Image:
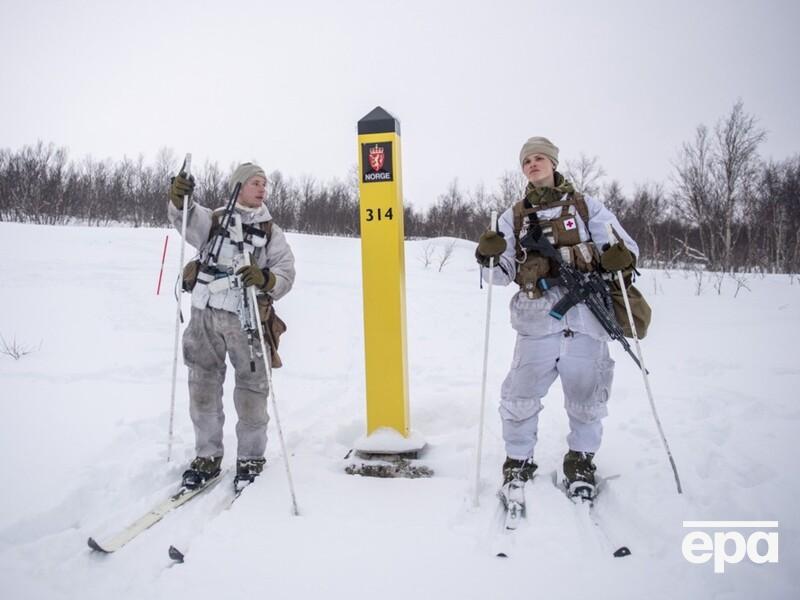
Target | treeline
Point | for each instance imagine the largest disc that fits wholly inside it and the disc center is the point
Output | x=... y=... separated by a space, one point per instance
x=724 y=208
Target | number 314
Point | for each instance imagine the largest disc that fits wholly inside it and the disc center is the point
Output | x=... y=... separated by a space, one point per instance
x=379 y=215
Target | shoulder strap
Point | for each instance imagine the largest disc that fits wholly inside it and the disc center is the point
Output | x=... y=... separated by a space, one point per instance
x=583 y=209
x=266 y=226
x=215 y=216
x=518 y=210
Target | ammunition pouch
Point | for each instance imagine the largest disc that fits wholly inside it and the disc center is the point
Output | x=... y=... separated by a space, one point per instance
x=193 y=273
x=189 y=277
x=274 y=328
x=534 y=267
x=584 y=256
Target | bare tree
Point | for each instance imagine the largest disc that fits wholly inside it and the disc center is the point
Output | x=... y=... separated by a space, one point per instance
x=615 y=200
x=447 y=254
x=694 y=188
x=511 y=190
x=15 y=349
x=211 y=188
x=741 y=281
x=736 y=167
x=282 y=200
x=585 y=174
x=426 y=256
x=446 y=217
x=698 y=272
x=645 y=212
x=715 y=178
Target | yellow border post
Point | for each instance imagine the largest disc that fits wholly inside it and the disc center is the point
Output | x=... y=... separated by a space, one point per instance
x=383 y=270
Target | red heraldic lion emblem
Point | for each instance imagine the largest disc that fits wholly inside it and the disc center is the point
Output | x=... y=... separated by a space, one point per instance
x=376 y=158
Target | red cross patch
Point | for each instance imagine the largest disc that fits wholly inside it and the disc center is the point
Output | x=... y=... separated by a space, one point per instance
x=570 y=224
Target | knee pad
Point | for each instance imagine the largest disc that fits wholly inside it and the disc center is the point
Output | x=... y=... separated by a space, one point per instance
x=587 y=400
x=520 y=410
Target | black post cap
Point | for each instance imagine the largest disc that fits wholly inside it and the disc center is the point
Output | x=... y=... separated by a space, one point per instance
x=378 y=121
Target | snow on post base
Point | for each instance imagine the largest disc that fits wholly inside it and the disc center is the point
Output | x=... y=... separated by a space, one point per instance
x=386 y=440
x=387 y=453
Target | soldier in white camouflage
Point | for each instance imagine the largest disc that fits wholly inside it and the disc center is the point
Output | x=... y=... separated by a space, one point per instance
x=573 y=348
x=215 y=329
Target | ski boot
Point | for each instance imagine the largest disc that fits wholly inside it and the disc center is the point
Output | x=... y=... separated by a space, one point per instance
x=200 y=471
x=247 y=469
x=579 y=480
x=518 y=470
x=512 y=494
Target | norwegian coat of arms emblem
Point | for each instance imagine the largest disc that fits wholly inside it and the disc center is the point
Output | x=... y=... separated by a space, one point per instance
x=376 y=158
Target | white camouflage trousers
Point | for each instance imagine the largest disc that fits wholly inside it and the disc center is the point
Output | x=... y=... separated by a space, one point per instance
x=586 y=372
x=212 y=333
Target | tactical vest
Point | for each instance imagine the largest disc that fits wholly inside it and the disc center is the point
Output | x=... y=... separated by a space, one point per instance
x=191 y=270
x=562 y=232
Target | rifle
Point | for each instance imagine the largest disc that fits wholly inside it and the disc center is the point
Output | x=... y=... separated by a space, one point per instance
x=589 y=288
x=230 y=226
x=222 y=232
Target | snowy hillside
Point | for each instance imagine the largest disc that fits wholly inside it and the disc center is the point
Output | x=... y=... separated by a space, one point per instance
x=84 y=421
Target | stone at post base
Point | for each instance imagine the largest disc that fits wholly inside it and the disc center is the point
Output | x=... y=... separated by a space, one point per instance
x=386 y=453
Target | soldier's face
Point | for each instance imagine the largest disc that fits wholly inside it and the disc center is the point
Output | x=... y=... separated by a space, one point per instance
x=537 y=168
x=253 y=192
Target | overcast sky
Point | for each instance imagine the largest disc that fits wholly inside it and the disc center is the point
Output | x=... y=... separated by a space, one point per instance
x=284 y=83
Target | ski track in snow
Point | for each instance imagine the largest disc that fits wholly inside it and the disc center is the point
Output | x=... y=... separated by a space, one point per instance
x=84 y=419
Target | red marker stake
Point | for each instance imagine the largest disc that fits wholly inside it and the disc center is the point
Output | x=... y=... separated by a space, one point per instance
x=161 y=272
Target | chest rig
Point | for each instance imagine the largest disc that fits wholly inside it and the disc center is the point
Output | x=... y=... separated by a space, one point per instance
x=219 y=274
x=563 y=233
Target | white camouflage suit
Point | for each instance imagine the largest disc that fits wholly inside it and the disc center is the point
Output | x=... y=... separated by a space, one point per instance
x=574 y=348
x=214 y=330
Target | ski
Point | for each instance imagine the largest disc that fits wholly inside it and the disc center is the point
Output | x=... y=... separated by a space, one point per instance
x=177 y=555
x=512 y=495
x=585 y=509
x=153 y=516
x=511 y=512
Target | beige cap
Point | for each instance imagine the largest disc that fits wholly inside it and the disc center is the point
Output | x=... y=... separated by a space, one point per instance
x=244 y=172
x=539 y=145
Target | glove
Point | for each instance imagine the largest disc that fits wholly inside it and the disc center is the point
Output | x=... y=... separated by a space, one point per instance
x=616 y=258
x=490 y=245
x=180 y=186
x=252 y=275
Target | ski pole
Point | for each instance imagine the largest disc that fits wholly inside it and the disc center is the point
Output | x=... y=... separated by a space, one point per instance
x=493 y=227
x=186 y=168
x=612 y=239
x=271 y=392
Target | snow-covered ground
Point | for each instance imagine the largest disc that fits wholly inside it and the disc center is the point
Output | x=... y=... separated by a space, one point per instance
x=84 y=421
